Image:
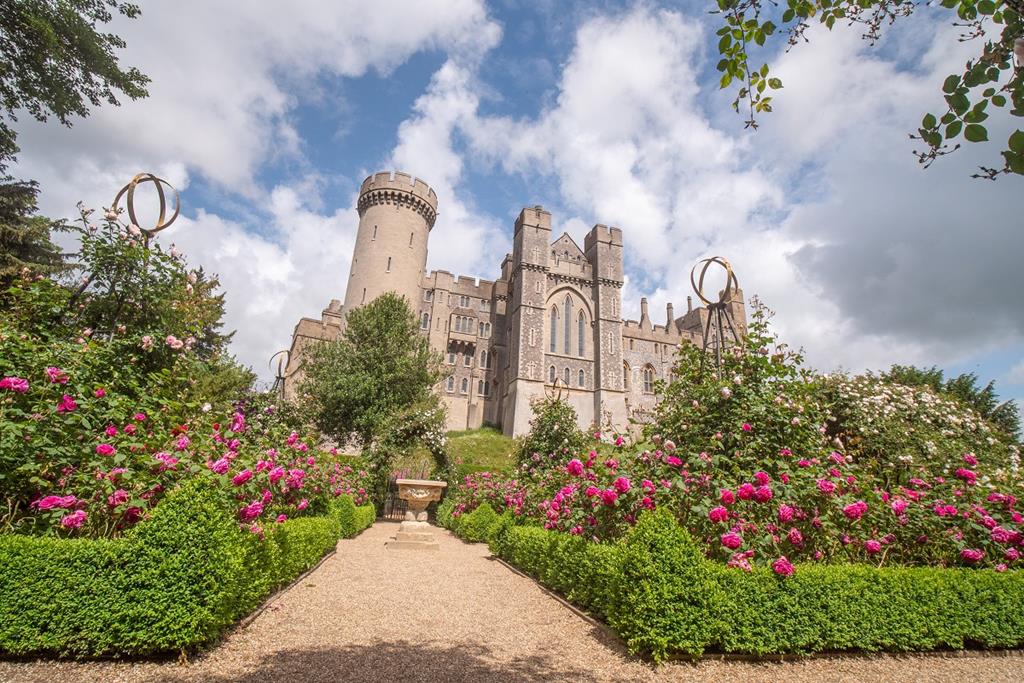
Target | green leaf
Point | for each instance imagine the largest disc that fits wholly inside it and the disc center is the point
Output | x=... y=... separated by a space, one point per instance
x=1017 y=142
x=998 y=100
x=950 y=85
x=986 y=7
x=775 y=83
x=976 y=133
x=929 y=121
x=953 y=129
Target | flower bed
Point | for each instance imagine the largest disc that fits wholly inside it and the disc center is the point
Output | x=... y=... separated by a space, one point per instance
x=657 y=591
x=172 y=582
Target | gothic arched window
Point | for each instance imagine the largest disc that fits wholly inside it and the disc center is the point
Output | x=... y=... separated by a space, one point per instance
x=648 y=379
x=626 y=375
x=579 y=335
x=551 y=375
x=565 y=377
x=425 y=321
x=465 y=386
x=554 y=328
x=450 y=384
x=567 y=311
x=582 y=378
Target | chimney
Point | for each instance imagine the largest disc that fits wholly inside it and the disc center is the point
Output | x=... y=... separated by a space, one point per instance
x=668 y=313
x=689 y=304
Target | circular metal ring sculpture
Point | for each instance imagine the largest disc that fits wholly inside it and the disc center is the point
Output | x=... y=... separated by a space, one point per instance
x=162 y=221
x=282 y=363
x=556 y=390
x=731 y=283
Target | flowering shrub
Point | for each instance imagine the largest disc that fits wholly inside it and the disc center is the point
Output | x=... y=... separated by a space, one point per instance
x=486 y=487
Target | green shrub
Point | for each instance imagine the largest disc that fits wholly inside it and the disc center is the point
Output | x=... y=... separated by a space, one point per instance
x=444 y=513
x=476 y=526
x=173 y=582
x=366 y=515
x=661 y=596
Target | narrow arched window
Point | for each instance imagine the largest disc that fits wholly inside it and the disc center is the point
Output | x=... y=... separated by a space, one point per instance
x=648 y=380
x=579 y=335
x=565 y=377
x=551 y=375
x=582 y=378
x=554 y=329
x=465 y=386
x=450 y=384
x=567 y=311
x=626 y=372
x=483 y=359
x=425 y=321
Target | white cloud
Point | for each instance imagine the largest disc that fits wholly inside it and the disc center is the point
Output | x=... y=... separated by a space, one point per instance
x=1016 y=374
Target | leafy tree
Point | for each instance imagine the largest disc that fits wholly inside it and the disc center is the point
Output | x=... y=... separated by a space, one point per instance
x=983 y=400
x=55 y=61
x=990 y=82
x=554 y=436
x=372 y=386
x=25 y=237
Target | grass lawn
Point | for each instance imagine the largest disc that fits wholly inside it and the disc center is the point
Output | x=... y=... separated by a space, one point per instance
x=475 y=450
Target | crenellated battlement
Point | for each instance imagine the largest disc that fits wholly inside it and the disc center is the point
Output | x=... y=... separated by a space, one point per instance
x=400 y=189
x=602 y=233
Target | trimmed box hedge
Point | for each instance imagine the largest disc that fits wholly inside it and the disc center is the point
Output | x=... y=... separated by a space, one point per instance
x=659 y=593
x=174 y=582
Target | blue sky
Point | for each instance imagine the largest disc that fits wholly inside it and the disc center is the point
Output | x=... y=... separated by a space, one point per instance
x=603 y=112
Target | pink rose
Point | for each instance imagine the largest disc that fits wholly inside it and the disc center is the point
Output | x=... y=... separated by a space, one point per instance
x=746 y=427
x=303 y=504
x=16 y=384
x=118 y=497
x=139 y=417
x=592 y=491
x=826 y=486
x=220 y=466
x=795 y=537
x=66 y=404
x=763 y=494
x=731 y=540
x=726 y=496
x=241 y=477
x=609 y=496
x=745 y=491
x=74 y=520
x=972 y=555
x=575 y=468
x=621 y=484
x=855 y=510
x=718 y=514
x=785 y=513
x=100 y=392
x=782 y=566
x=57 y=376
x=872 y=547
x=105 y=449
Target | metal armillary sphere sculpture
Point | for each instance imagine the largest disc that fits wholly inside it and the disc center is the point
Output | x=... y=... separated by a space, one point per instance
x=128 y=192
x=282 y=357
x=720 y=321
x=556 y=389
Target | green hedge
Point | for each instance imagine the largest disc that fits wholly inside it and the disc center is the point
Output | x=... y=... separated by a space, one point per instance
x=477 y=526
x=655 y=589
x=173 y=582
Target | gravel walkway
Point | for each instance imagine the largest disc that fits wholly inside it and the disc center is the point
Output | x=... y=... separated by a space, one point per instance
x=369 y=614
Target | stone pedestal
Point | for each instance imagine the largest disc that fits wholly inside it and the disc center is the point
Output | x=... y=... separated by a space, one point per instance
x=414 y=533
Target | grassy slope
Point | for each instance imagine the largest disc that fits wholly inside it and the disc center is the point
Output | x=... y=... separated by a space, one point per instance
x=481 y=449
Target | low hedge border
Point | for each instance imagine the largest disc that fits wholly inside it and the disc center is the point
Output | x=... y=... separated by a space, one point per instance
x=658 y=593
x=172 y=583
x=476 y=526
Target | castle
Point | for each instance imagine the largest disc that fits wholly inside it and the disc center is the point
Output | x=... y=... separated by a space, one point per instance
x=551 y=321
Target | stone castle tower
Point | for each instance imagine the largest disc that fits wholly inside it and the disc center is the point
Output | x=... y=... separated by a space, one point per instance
x=553 y=316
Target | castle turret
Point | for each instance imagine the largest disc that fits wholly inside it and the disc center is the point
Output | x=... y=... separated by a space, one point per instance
x=396 y=213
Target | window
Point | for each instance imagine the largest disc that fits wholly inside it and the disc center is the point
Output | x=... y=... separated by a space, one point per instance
x=428 y=295
x=467 y=360
x=484 y=359
x=450 y=385
x=626 y=376
x=582 y=380
x=364 y=296
x=425 y=321
x=485 y=305
x=483 y=387
x=648 y=380
x=375 y=232
x=551 y=375
x=451 y=358
x=410 y=239
x=630 y=344
x=567 y=311
x=487 y=388
x=464 y=301
x=579 y=335
x=554 y=330
x=464 y=387
x=565 y=376
x=389 y=264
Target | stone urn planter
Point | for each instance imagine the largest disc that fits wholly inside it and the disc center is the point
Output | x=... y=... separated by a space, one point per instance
x=415 y=533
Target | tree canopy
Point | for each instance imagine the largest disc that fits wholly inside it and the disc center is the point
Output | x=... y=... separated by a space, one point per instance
x=991 y=83
x=55 y=61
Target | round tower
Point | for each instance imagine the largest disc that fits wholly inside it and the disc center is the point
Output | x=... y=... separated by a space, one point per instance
x=396 y=213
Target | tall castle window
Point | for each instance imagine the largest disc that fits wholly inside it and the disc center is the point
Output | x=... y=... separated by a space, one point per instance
x=567 y=311
x=389 y=264
x=467 y=360
x=464 y=387
x=428 y=295
x=648 y=379
x=451 y=358
x=464 y=301
x=484 y=359
x=626 y=376
x=425 y=321
x=551 y=375
x=450 y=385
x=374 y=232
x=582 y=379
x=410 y=239
x=554 y=330
x=565 y=376
x=579 y=335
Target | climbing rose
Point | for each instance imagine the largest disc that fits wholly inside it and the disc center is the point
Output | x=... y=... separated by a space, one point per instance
x=726 y=496
x=763 y=494
x=826 y=486
x=118 y=497
x=49 y=502
x=972 y=554
x=855 y=510
x=241 y=477
x=718 y=514
x=621 y=484
x=745 y=491
x=221 y=466
x=66 y=405
x=782 y=566
x=100 y=392
x=746 y=427
x=592 y=491
x=762 y=478
x=795 y=537
x=303 y=504
x=251 y=511
x=899 y=506
x=17 y=384
x=280 y=518
x=105 y=449
x=967 y=475
x=731 y=540
x=872 y=547
x=785 y=513
x=575 y=468
x=74 y=520
x=57 y=376
x=609 y=496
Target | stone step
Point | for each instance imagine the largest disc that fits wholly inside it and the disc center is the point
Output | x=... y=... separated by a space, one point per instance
x=413 y=545
x=414 y=536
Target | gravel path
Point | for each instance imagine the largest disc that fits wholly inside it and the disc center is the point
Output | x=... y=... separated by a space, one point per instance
x=369 y=614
